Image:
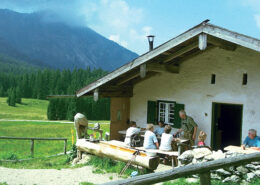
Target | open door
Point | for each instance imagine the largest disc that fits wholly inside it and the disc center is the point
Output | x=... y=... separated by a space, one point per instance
x=226 y=125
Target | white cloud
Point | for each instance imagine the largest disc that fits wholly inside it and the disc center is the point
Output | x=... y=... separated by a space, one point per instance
x=116 y=38
x=141 y=35
x=117 y=20
x=257 y=19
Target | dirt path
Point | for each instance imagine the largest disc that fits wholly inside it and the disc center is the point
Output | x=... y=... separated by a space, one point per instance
x=52 y=176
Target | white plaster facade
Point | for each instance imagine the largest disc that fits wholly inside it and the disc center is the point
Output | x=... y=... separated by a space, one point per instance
x=191 y=86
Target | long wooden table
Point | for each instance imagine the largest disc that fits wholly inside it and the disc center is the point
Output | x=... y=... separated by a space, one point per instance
x=238 y=149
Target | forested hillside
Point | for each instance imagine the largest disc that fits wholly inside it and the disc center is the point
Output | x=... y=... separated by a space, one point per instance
x=38 y=84
x=10 y=65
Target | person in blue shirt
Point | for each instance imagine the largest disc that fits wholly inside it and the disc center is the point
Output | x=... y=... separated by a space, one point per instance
x=160 y=129
x=252 y=140
x=150 y=140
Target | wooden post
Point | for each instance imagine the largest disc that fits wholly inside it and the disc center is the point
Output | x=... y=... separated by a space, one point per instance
x=202 y=41
x=32 y=148
x=179 y=149
x=205 y=178
x=96 y=95
x=143 y=70
x=65 y=146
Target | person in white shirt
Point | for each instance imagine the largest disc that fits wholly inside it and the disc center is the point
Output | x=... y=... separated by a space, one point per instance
x=166 y=139
x=160 y=129
x=132 y=130
x=150 y=140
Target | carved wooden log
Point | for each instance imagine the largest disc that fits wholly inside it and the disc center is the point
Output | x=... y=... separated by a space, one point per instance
x=106 y=149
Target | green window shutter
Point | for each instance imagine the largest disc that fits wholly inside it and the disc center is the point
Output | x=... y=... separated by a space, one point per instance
x=177 y=119
x=152 y=112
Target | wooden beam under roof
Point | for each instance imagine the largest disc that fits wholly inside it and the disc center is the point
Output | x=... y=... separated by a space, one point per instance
x=181 y=52
x=222 y=43
x=60 y=96
x=192 y=54
x=156 y=67
x=128 y=78
x=111 y=88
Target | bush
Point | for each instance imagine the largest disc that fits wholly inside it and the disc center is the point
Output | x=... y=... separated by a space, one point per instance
x=11 y=156
x=73 y=154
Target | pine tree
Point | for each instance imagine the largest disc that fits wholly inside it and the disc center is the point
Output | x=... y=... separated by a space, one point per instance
x=1 y=91
x=51 y=112
x=11 y=97
x=72 y=109
x=18 y=95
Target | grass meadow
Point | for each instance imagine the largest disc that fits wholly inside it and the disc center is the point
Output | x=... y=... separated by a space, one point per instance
x=21 y=148
x=30 y=109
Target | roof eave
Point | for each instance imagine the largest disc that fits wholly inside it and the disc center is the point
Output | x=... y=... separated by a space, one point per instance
x=142 y=59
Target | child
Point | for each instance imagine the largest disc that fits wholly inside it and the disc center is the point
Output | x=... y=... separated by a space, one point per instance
x=166 y=139
x=201 y=138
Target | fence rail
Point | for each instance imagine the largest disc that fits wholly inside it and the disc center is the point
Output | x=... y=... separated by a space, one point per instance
x=37 y=138
x=203 y=169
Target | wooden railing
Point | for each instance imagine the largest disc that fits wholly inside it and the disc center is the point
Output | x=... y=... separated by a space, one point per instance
x=37 y=138
x=203 y=169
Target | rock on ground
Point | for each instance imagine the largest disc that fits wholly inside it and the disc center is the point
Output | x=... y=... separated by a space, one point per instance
x=223 y=172
x=186 y=157
x=250 y=176
x=232 y=178
x=242 y=170
x=199 y=153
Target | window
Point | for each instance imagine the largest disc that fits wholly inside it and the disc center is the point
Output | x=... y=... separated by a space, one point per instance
x=213 y=79
x=244 y=79
x=166 y=112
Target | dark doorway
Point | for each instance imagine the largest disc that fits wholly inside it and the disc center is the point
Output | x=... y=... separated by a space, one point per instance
x=226 y=125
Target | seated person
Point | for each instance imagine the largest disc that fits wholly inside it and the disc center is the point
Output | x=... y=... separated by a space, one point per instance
x=160 y=129
x=201 y=138
x=166 y=139
x=132 y=130
x=150 y=140
x=252 y=140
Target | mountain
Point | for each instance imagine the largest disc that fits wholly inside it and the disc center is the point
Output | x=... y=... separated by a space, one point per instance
x=29 y=37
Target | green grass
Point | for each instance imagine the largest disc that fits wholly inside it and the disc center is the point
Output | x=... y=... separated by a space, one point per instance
x=84 y=183
x=20 y=149
x=57 y=162
x=30 y=109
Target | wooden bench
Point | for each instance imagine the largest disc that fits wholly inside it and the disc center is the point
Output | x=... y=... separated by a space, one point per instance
x=171 y=154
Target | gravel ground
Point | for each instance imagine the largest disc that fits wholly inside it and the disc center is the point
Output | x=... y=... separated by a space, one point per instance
x=52 y=176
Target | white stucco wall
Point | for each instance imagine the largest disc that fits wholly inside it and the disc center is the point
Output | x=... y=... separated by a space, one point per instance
x=192 y=87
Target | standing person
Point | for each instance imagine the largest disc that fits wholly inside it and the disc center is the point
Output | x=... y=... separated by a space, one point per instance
x=252 y=140
x=132 y=130
x=160 y=129
x=150 y=140
x=188 y=126
x=166 y=139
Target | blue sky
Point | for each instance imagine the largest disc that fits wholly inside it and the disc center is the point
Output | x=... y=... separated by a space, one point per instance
x=127 y=22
